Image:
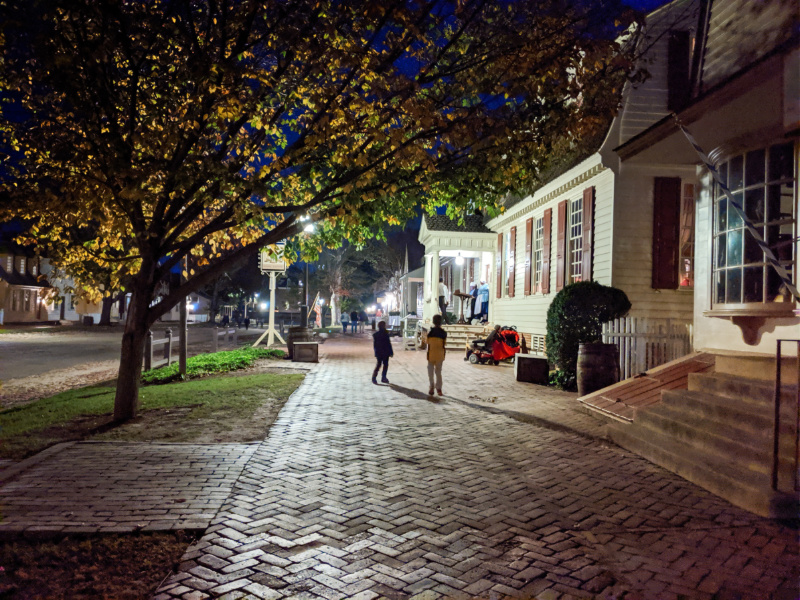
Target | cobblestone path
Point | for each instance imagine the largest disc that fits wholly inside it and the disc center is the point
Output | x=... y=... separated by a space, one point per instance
x=367 y=492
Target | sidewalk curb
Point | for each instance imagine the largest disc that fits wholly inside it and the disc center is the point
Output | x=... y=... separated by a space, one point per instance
x=15 y=470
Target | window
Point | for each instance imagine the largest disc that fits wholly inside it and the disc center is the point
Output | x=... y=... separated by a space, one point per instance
x=686 y=243
x=762 y=182
x=507 y=262
x=575 y=240
x=538 y=254
x=27 y=301
x=9 y=264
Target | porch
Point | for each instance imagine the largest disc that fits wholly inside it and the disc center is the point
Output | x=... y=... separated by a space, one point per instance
x=459 y=254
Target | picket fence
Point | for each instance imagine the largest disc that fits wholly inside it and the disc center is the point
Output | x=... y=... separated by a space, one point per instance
x=646 y=343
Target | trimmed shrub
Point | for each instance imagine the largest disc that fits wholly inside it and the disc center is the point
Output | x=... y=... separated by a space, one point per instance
x=575 y=317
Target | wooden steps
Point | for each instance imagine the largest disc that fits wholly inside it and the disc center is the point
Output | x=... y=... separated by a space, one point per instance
x=620 y=401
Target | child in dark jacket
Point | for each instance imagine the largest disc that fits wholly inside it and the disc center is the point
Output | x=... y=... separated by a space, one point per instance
x=383 y=350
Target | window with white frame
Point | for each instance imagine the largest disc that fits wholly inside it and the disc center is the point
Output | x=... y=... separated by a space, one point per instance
x=507 y=264
x=575 y=251
x=686 y=240
x=763 y=182
x=9 y=264
x=538 y=254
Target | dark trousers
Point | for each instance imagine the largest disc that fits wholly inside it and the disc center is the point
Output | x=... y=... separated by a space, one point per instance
x=443 y=308
x=385 y=363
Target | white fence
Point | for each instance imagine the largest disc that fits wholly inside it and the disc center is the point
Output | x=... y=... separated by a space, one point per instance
x=647 y=343
x=153 y=359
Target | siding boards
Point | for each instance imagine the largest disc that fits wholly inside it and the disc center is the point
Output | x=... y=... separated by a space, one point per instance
x=633 y=246
x=742 y=31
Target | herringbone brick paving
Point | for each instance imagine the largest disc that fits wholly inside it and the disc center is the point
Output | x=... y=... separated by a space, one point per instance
x=366 y=492
x=115 y=487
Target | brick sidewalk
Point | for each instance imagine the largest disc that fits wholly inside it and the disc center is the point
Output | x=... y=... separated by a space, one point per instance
x=365 y=492
x=89 y=487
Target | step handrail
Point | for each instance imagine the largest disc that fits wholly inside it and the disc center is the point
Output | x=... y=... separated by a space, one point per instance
x=777 y=421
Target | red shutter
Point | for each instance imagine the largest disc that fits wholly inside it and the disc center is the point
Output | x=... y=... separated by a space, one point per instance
x=666 y=232
x=545 y=283
x=528 y=248
x=512 y=262
x=561 y=246
x=499 y=275
x=588 y=236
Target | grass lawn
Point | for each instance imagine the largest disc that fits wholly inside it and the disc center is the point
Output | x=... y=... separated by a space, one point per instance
x=237 y=407
x=209 y=409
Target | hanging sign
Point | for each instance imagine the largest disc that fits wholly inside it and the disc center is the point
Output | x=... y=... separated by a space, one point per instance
x=271 y=259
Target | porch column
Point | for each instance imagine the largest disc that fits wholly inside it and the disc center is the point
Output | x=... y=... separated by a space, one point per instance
x=431 y=285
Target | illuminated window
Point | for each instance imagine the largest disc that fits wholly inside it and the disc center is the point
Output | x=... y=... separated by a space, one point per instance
x=686 y=243
x=575 y=240
x=538 y=254
x=763 y=183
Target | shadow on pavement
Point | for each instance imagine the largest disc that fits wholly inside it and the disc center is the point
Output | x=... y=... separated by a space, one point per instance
x=416 y=394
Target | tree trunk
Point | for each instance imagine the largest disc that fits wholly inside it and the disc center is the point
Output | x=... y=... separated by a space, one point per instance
x=126 y=400
x=213 y=306
x=105 y=311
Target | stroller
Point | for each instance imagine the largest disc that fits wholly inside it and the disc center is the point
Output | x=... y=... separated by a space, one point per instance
x=506 y=345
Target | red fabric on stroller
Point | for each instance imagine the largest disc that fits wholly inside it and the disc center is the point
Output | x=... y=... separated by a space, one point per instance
x=506 y=345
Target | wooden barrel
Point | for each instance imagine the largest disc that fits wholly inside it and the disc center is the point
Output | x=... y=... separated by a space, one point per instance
x=297 y=334
x=598 y=367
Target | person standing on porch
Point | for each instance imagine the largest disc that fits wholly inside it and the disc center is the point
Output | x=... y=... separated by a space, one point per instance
x=473 y=302
x=483 y=298
x=443 y=293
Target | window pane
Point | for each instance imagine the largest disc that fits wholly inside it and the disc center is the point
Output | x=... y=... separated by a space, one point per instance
x=781 y=162
x=775 y=289
x=734 y=220
x=754 y=167
x=723 y=172
x=780 y=202
x=722 y=244
x=735 y=173
x=752 y=251
x=719 y=288
x=735 y=247
x=754 y=284
x=754 y=205
x=734 y=286
x=722 y=215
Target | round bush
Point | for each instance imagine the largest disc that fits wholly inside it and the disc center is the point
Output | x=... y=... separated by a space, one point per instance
x=575 y=317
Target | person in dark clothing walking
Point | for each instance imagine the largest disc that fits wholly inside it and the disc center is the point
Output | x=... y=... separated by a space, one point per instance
x=354 y=320
x=383 y=351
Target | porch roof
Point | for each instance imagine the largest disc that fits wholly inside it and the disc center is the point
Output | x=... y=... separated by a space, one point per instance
x=440 y=233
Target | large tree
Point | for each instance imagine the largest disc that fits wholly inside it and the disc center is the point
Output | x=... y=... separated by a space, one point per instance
x=143 y=133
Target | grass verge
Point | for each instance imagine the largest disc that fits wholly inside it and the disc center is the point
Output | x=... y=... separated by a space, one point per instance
x=207 y=410
x=215 y=362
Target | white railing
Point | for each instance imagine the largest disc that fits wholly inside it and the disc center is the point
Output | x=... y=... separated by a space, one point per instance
x=646 y=343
